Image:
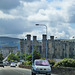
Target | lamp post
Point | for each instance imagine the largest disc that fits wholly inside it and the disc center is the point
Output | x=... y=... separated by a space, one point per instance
x=25 y=55
x=32 y=52
x=46 y=35
x=25 y=50
x=73 y=37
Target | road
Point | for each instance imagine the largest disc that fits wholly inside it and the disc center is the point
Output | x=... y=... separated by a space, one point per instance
x=16 y=71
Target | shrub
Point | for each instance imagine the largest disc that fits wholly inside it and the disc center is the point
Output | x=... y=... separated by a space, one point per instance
x=65 y=63
x=43 y=58
x=28 y=62
x=52 y=62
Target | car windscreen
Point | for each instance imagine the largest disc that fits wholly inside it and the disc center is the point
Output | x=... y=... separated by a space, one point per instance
x=42 y=63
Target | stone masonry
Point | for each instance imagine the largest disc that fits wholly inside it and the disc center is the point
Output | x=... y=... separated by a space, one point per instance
x=56 y=48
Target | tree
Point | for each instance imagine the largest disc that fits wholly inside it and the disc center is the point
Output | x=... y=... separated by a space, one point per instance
x=1 y=57
x=36 y=55
x=12 y=57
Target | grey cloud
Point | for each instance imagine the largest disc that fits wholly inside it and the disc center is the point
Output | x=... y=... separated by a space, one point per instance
x=72 y=19
x=71 y=12
x=30 y=0
x=16 y=26
x=8 y=4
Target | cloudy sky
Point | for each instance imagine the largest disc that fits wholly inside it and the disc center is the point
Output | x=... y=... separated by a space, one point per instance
x=18 y=18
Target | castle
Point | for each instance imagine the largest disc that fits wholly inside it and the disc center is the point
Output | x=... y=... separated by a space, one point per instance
x=56 y=48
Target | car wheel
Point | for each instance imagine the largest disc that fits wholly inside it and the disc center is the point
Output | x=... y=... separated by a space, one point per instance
x=32 y=73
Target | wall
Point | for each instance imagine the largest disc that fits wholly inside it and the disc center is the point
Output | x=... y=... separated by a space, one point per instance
x=63 y=71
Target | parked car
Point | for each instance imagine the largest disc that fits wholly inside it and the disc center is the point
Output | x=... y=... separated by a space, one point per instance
x=13 y=64
x=41 y=67
x=22 y=61
x=16 y=62
x=5 y=64
x=1 y=64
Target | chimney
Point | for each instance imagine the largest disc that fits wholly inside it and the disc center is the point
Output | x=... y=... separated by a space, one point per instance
x=34 y=38
x=44 y=36
x=52 y=37
x=28 y=37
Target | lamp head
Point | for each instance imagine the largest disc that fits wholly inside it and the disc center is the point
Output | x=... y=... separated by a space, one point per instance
x=37 y=24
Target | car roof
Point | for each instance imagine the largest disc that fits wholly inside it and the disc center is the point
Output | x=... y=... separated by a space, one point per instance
x=40 y=60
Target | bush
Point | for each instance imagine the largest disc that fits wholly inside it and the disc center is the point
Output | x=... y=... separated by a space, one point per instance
x=65 y=63
x=43 y=58
x=28 y=62
x=52 y=62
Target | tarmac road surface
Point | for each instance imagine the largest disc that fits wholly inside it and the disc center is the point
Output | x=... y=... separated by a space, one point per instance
x=16 y=71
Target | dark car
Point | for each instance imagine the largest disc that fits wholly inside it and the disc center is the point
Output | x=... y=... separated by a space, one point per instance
x=1 y=64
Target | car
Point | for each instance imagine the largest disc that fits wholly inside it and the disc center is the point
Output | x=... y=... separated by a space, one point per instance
x=5 y=64
x=41 y=67
x=1 y=64
x=16 y=62
x=13 y=64
x=22 y=61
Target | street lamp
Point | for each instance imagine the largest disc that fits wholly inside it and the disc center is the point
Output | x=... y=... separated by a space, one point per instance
x=32 y=52
x=46 y=35
x=73 y=37
x=25 y=50
x=42 y=25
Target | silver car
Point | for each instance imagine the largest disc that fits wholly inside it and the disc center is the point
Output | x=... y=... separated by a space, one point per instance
x=13 y=64
x=41 y=67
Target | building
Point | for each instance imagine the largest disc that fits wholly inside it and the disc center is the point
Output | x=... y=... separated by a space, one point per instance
x=56 y=48
x=61 y=48
x=28 y=44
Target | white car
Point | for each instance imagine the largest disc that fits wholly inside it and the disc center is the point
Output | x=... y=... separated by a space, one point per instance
x=13 y=64
x=41 y=67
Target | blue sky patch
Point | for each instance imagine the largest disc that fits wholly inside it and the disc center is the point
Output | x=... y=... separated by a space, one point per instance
x=49 y=0
x=72 y=25
x=58 y=8
x=52 y=0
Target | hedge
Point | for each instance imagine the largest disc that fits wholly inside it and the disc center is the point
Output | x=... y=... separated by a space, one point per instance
x=67 y=62
x=52 y=62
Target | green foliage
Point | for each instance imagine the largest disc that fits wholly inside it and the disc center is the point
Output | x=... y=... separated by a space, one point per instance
x=29 y=58
x=52 y=62
x=1 y=57
x=36 y=55
x=43 y=58
x=65 y=63
x=22 y=55
x=28 y=62
x=18 y=55
x=12 y=57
